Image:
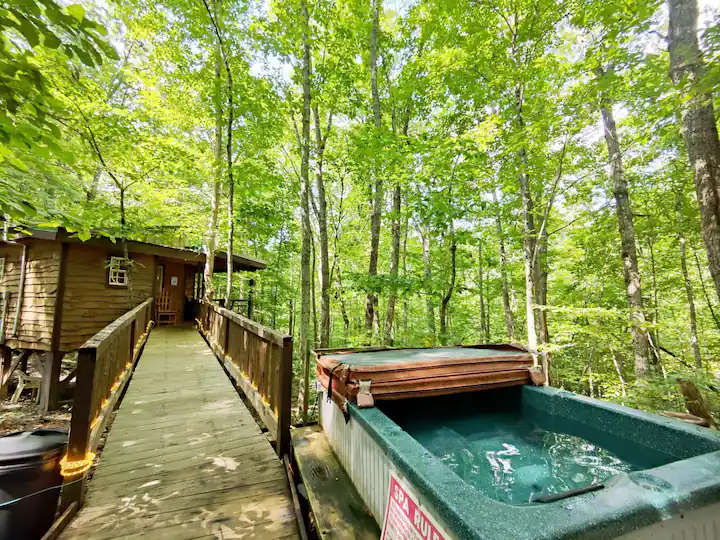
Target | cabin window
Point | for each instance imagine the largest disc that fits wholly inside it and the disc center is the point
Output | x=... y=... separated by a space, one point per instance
x=118 y=272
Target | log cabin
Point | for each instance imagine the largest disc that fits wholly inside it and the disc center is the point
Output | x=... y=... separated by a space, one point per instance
x=57 y=291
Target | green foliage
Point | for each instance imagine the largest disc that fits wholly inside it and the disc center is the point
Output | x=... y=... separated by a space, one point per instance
x=122 y=143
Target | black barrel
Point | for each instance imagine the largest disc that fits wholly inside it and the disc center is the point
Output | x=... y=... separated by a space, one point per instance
x=29 y=482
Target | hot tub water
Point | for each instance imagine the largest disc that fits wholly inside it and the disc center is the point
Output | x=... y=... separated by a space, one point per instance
x=511 y=459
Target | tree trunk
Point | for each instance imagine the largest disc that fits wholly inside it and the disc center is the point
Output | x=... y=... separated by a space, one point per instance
x=507 y=306
x=341 y=301
x=428 y=287
x=305 y=269
x=529 y=249
x=375 y=219
x=215 y=200
x=313 y=295
x=484 y=334
x=222 y=56
x=627 y=242
x=394 y=264
x=231 y=233
x=655 y=341
x=320 y=141
x=529 y=234
x=404 y=265
x=231 y=189
x=694 y=342
x=122 y=210
x=451 y=286
x=617 y=362
x=395 y=258
x=698 y=123
x=92 y=192
x=541 y=272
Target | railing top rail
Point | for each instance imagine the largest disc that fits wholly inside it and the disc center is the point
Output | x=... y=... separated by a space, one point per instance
x=119 y=323
x=263 y=332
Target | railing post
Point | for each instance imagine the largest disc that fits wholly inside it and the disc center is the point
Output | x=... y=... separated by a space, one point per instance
x=80 y=427
x=285 y=397
x=226 y=340
x=131 y=347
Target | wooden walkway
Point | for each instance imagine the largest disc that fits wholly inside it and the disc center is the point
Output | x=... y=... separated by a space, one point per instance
x=184 y=458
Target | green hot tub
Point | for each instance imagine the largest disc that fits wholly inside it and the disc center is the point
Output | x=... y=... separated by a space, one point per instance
x=535 y=462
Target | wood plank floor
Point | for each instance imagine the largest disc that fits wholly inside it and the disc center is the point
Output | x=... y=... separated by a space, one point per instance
x=184 y=458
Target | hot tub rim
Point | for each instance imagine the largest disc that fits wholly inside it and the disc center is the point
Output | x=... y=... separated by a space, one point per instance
x=470 y=514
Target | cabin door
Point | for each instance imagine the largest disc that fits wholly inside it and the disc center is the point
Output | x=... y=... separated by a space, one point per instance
x=160 y=279
x=171 y=277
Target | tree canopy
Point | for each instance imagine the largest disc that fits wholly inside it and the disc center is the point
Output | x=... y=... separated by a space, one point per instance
x=415 y=173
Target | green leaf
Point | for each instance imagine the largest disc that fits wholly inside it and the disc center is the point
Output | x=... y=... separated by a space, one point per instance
x=84 y=57
x=29 y=32
x=77 y=11
x=51 y=41
x=18 y=163
x=84 y=235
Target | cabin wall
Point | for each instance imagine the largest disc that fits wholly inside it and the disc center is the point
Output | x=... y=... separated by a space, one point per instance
x=89 y=303
x=35 y=325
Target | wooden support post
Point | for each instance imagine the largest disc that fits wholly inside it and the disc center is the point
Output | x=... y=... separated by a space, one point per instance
x=131 y=343
x=52 y=362
x=250 y=299
x=80 y=427
x=226 y=339
x=24 y=360
x=6 y=362
x=285 y=398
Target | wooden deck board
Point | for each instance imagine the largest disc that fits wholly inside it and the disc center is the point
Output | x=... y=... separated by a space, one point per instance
x=184 y=458
x=339 y=511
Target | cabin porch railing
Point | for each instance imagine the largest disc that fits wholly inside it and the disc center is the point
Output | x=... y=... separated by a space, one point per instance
x=105 y=364
x=259 y=359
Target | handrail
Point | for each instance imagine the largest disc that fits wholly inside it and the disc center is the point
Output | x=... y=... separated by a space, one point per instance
x=259 y=359
x=105 y=364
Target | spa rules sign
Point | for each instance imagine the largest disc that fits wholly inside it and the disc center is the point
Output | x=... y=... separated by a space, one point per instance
x=404 y=519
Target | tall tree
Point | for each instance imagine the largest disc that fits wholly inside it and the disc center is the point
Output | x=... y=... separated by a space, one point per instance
x=212 y=228
x=451 y=285
x=394 y=265
x=631 y=273
x=305 y=253
x=320 y=144
x=699 y=128
x=376 y=217
x=395 y=256
x=215 y=16
x=507 y=307
x=484 y=329
x=694 y=342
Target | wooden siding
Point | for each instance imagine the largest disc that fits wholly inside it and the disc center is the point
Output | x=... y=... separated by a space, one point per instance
x=90 y=303
x=38 y=305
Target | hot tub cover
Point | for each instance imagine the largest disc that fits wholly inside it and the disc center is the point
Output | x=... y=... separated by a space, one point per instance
x=363 y=375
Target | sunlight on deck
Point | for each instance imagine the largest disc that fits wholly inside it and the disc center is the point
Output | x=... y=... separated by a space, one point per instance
x=184 y=458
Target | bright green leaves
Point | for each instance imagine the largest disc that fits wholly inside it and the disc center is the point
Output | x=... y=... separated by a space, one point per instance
x=31 y=125
x=77 y=11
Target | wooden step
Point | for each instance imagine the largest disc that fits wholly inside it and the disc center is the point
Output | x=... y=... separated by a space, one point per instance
x=339 y=511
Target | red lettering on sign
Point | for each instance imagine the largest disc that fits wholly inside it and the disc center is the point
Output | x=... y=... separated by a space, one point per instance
x=404 y=519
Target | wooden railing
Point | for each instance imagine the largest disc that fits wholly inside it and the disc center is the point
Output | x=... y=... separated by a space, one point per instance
x=259 y=359
x=105 y=364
